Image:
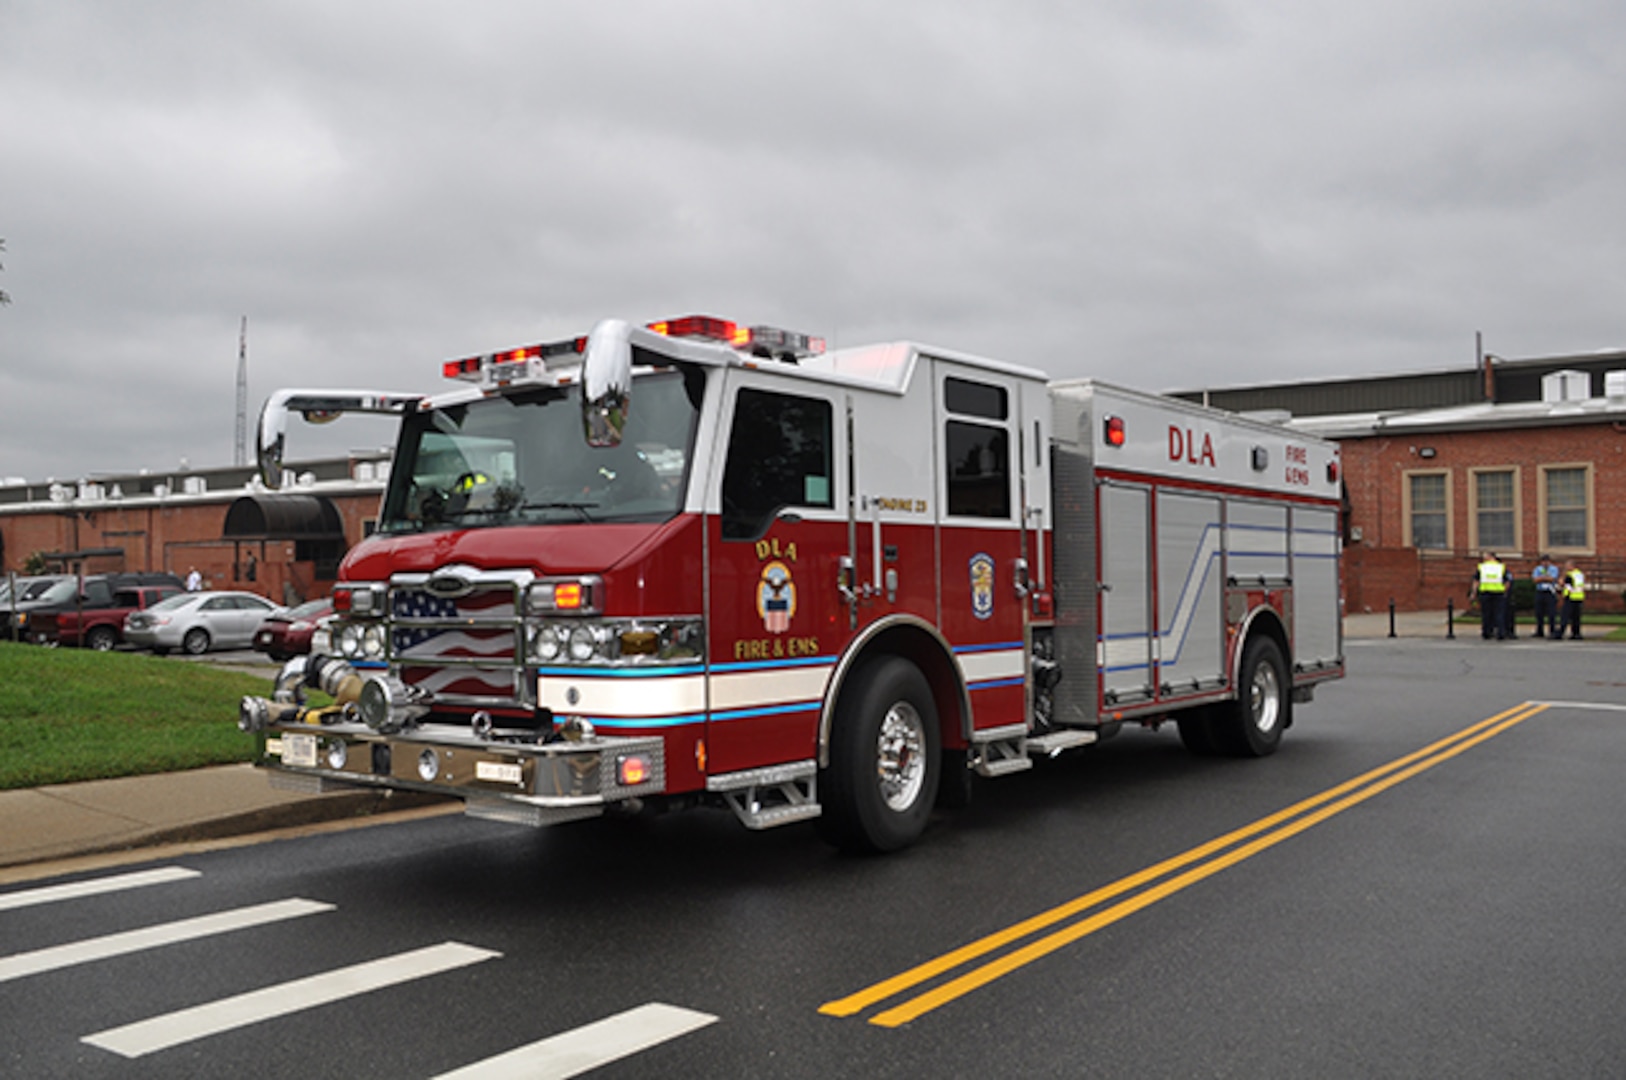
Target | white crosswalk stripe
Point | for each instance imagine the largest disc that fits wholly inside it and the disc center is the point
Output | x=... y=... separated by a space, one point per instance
x=574 y=1052
x=150 y=937
x=172 y=1029
x=50 y=894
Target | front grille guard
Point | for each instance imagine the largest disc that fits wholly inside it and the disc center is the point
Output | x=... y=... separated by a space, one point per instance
x=438 y=604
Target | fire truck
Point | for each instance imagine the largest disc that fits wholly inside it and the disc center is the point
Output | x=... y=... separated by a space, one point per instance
x=696 y=563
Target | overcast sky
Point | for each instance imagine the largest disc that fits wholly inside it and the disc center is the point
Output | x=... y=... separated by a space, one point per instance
x=1163 y=193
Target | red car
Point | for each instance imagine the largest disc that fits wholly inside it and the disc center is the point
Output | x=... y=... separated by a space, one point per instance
x=288 y=633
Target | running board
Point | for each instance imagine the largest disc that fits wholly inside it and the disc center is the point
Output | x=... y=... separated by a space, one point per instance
x=1054 y=742
x=1000 y=751
x=776 y=795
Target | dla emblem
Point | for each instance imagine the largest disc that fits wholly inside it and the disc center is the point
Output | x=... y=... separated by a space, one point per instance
x=982 y=585
x=776 y=598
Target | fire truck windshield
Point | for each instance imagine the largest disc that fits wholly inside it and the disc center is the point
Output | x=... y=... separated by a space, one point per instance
x=520 y=458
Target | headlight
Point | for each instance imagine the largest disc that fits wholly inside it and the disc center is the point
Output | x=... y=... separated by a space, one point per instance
x=372 y=642
x=349 y=641
x=619 y=643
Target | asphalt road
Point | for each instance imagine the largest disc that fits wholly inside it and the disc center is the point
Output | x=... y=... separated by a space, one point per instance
x=1428 y=879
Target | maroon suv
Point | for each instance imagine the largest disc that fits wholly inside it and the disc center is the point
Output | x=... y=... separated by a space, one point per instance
x=288 y=633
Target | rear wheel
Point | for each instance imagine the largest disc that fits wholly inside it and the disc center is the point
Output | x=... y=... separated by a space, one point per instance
x=101 y=638
x=196 y=641
x=1254 y=724
x=884 y=760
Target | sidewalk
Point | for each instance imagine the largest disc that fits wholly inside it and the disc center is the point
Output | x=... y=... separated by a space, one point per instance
x=98 y=816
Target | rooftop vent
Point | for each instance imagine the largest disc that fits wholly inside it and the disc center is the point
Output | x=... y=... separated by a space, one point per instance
x=1614 y=385
x=1566 y=386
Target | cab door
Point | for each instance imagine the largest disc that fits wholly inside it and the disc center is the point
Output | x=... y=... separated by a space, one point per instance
x=775 y=615
x=984 y=502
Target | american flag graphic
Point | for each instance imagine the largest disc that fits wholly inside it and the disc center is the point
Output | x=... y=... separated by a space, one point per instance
x=465 y=634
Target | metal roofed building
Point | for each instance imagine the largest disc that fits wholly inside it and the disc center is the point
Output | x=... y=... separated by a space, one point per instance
x=285 y=545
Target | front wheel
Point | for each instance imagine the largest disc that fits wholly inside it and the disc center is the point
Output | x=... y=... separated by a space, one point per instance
x=196 y=641
x=884 y=760
x=101 y=638
x=1254 y=725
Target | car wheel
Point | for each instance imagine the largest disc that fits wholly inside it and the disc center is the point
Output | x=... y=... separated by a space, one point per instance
x=196 y=641
x=1254 y=725
x=884 y=760
x=101 y=638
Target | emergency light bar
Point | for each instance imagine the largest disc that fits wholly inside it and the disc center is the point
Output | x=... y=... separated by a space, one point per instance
x=764 y=341
x=768 y=342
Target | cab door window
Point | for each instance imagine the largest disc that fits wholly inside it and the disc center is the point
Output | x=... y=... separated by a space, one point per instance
x=779 y=456
x=977 y=455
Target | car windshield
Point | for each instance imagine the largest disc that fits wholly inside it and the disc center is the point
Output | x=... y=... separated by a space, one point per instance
x=58 y=592
x=310 y=609
x=521 y=458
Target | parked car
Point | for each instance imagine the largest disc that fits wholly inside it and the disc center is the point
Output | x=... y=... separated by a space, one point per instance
x=196 y=622
x=78 y=596
x=288 y=633
x=92 y=625
x=27 y=587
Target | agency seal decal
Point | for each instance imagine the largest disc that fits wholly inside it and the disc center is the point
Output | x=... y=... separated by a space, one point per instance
x=776 y=598
x=982 y=585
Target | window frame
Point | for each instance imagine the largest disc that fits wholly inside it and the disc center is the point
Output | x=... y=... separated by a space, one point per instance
x=1407 y=514
x=1479 y=543
x=1589 y=506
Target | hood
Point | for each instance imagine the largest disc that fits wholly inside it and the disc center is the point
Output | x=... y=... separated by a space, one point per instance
x=544 y=549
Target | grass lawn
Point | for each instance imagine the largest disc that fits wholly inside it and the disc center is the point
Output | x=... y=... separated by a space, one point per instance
x=73 y=714
x=1604 y=627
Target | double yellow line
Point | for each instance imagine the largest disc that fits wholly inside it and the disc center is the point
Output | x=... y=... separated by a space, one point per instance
x=1197 y=864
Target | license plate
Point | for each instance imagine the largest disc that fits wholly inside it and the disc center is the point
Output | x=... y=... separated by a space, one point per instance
x=500 y=772
x=299 y=750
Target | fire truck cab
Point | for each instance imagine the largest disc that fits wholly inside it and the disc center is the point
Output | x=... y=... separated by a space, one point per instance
x=698 y=563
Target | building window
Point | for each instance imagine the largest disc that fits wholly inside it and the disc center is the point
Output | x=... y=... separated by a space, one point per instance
x=1566 y=516
x=1428 y=510
x=1496 y=510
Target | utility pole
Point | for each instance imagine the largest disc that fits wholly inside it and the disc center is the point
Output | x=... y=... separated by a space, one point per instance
x=241 y=456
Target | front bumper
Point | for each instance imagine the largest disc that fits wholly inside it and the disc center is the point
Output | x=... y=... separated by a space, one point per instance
x=525 y=783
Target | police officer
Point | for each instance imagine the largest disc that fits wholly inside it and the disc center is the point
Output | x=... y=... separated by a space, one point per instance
x=1546 y=575
x=1490 y=586
x=1574 y=587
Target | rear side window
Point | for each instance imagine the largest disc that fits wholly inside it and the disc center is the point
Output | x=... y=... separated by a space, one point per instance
x=979 y=470
x=779 y=455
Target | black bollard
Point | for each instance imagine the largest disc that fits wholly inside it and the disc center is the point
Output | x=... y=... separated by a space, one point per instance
x=1450 y=617
x=1391 y=616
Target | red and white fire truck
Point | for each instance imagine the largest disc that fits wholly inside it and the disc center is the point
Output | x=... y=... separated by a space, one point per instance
x=696 y=563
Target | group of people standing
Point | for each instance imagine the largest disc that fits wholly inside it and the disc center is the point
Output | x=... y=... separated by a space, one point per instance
x=1559 y=596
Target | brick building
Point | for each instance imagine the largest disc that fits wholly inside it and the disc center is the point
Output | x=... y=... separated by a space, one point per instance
x=285 y=545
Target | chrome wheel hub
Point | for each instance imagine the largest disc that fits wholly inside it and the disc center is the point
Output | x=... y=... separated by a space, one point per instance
x=900 y=760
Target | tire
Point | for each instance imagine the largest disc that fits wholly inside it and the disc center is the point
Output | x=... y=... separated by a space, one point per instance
x=884 y=760
x=1253 y=724
x=195 y=642
x=101 y=639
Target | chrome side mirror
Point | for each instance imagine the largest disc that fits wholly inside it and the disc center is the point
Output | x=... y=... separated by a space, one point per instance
x=607 y=383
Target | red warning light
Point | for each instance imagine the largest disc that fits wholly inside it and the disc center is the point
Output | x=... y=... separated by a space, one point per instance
x=1114 y=432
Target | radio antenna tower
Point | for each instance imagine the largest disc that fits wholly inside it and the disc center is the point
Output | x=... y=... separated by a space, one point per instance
x=241 y=456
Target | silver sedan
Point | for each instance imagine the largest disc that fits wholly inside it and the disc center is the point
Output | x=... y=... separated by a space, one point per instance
x=196 y=622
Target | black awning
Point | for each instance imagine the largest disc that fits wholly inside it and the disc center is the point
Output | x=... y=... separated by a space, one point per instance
x=283 y=517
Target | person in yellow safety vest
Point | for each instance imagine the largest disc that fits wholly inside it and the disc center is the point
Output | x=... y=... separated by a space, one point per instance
x=1490 y=586
x=1574 y=587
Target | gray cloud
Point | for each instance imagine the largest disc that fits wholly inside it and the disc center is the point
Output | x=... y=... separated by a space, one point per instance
x=1161 y=193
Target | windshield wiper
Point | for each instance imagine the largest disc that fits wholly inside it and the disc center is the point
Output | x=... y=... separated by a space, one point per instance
x=580 y=507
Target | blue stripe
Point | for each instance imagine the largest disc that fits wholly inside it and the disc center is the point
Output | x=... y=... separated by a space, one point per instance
x=996 y=646
x=994 y=684
x=764 y=665
x=590 y=671
x=653 y=722
x=771 y=710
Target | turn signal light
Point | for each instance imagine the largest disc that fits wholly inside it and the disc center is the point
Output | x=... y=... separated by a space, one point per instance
x=632 y=770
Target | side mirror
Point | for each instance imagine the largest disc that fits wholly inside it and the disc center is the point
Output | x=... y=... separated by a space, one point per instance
x=607 y=383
